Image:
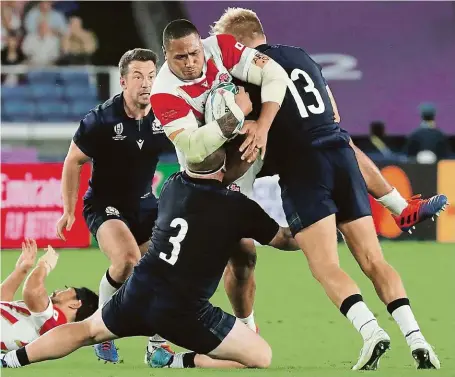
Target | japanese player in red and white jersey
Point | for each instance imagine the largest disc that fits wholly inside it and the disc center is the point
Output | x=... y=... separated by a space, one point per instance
x=193 y=66
x=25 y=320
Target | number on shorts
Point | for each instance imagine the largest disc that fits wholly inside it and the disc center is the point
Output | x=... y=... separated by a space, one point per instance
x=175 y=241
x=310 y=88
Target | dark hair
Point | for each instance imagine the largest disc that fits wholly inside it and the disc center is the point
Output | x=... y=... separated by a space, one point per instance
x=212 y=163
x=89 y=303
x=178 y=29
x=138 y=54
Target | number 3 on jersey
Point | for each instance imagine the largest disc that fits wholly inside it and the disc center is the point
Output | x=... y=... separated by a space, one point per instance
x=309 y=88
x=175 y=241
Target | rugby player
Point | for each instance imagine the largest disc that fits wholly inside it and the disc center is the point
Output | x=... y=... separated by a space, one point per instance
x=123 y=140
x=178 y=98
x=199 y=222
x=323 y=188
x=25 y=320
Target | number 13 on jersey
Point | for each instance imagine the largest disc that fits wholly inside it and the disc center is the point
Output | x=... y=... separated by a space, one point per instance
x=309 y=88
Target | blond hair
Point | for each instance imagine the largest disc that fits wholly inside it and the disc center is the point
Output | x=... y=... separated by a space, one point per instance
x=240 y=22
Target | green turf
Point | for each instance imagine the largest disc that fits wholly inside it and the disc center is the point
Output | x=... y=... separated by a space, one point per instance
x=309 y=337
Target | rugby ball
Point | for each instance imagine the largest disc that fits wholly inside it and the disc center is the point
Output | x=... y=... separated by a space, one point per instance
x=215 y=106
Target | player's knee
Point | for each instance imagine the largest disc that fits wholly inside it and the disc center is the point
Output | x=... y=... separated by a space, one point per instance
x=264 y=358
x=321 y=271
x=372 y=264
x=124 y=263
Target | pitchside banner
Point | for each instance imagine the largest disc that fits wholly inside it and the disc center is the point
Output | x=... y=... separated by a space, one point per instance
x=32 y=205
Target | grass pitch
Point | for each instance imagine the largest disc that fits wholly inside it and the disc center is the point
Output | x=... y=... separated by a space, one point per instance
x=309 y=337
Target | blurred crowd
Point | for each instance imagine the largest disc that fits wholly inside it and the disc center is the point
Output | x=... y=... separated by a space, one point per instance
x=427 y=144
x=38 y=34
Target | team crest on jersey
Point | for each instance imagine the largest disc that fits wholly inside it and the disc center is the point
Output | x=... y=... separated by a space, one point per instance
x=118 y=129
x=224 y=77
x=234 y=187
x=157 y=128
x=111 y=211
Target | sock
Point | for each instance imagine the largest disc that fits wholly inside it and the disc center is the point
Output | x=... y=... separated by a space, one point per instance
x=359 y=315
x=16 y=359
x=107 y=288
x=249 y=321
x=401 y=311
x=394 y=202
x=183 y=360
x=156 y=341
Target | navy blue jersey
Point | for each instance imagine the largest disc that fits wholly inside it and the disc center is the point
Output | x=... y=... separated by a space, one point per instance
x=306 y=118
x=199 y=223
x=124 y=152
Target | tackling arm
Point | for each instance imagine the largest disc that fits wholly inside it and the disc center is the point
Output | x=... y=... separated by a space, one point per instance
x=283 y=240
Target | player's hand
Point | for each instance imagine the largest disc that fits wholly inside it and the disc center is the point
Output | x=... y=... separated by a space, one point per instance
x=255 y=141
x=66 y=221
x=242 y=99
x=28 y=256
x=49 y=260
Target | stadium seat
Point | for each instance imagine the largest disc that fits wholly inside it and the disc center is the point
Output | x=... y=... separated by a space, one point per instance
x=75 y=77
x=52 y=111
x=43 y=91
x=17 y=110
x=20 y=92
x=79 y=109
x=76 y=91
x=48 y=77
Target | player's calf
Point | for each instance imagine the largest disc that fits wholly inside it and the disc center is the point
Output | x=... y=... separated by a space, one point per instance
x=60 y=342
x=241 y=348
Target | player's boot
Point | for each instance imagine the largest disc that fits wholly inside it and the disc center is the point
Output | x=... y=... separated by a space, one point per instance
x=372 y=350
x=160 y=357
x=107 y=351
x=151 y=348
x=419 y=210
x=424 y=355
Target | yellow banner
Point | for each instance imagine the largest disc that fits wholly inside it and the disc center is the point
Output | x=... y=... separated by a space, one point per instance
x=445 y=229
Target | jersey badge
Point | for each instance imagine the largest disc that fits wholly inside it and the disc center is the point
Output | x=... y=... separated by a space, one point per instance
x=118 y=129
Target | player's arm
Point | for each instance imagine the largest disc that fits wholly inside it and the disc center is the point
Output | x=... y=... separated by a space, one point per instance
x=334 y=105
x=252 y=66
x=24 y=264
x=34 y=292
x=235 y=166
x=261 y=227
x=284 y=240
x=81 y=149
x=181 y=127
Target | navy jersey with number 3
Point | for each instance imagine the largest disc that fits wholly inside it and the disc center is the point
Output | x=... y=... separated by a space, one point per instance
x=199 y=224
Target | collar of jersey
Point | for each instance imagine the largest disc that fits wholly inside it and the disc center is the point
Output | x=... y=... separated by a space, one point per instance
x=199 y=181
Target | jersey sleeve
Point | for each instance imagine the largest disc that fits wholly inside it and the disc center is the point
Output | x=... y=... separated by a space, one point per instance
x=236 y=57
x=87 y=134
x=257 y=224
x=39 y=319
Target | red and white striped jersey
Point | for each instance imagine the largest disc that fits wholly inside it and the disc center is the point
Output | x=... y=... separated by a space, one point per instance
x=174 y=99
x=20 y=326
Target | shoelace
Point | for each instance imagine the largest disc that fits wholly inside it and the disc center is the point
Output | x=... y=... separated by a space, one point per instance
x=106 y=346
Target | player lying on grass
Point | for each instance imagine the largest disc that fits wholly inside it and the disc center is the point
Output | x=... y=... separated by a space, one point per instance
x=24 y=321
x=168 y=293
x=323 y=189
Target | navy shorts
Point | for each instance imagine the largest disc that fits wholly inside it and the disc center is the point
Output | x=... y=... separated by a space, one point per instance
x=140 y=221
x=328 y=182
x=200 y=329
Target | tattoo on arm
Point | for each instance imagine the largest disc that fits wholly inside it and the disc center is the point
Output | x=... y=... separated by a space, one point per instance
x=260 y=59
x=228 y=123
